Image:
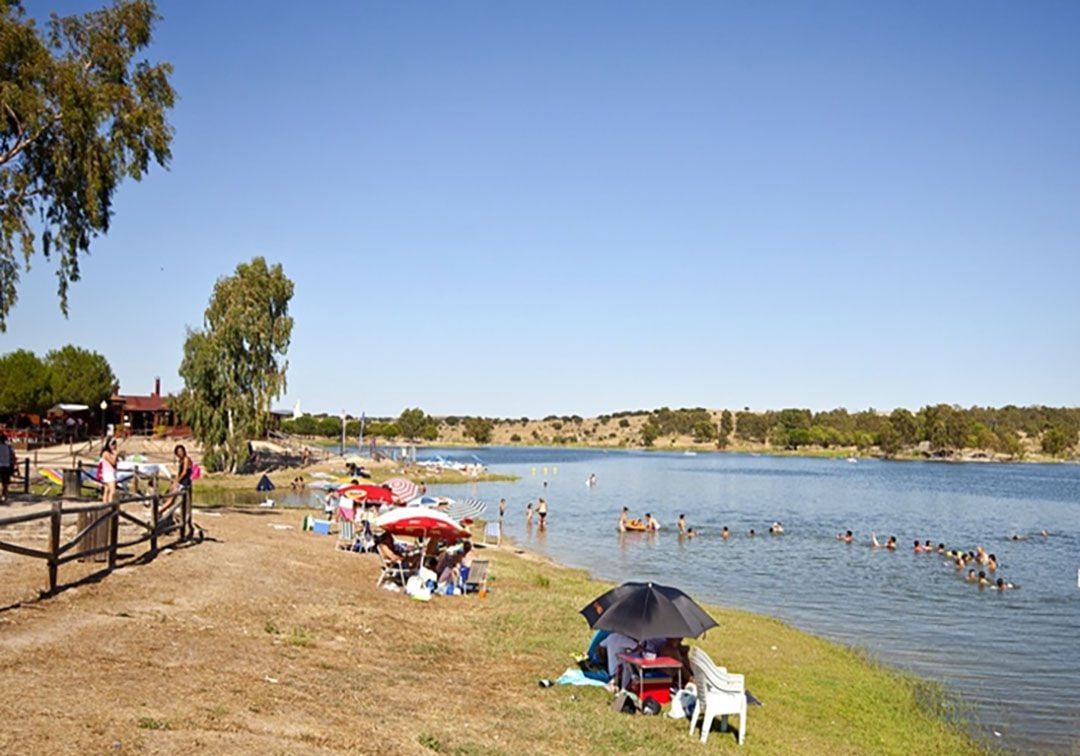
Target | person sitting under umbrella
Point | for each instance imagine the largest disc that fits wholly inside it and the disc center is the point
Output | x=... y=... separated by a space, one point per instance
x=395 y=552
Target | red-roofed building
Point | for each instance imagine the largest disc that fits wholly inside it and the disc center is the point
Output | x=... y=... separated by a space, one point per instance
x=145 y=415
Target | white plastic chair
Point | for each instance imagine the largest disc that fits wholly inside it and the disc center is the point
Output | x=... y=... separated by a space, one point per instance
x=719 y=694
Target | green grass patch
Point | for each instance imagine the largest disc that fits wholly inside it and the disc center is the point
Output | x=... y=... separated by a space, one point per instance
x=149 y=723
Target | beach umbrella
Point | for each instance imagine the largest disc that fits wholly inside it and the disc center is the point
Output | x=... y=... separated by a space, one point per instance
x=421 y=522
x=402 y=488
x=465 y=510
x=647 y=610
x=431 y=501
x=368 y=494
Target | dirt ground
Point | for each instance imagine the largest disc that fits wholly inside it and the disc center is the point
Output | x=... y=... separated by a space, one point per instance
x=261 y=638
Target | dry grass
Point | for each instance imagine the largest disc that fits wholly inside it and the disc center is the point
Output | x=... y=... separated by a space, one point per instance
x=268 y=640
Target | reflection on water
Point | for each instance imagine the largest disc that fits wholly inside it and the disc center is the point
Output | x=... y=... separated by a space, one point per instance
x=1013 y=655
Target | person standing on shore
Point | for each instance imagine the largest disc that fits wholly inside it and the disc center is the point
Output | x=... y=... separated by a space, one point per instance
x=108 y=471
x=7 y=466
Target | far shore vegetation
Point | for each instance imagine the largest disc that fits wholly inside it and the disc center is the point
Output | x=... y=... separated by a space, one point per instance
x=934 y=432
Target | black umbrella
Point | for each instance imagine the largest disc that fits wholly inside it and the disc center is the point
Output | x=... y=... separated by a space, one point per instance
x=647 y=610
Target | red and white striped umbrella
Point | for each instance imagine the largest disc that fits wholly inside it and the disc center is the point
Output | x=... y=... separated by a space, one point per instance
x=403 y=489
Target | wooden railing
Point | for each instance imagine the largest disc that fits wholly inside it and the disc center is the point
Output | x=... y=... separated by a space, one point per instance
x=162 y=520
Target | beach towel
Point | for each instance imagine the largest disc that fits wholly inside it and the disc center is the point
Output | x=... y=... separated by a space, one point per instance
x=574 y=676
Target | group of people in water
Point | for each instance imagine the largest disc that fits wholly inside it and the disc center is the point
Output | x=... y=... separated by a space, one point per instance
x=649 y=524
x=959 y=559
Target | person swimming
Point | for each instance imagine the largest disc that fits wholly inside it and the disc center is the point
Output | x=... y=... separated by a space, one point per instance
x=874 y=543
x=958 y=563
x=624 y=516
x=991 y=563
x=941 y=548
x=891 y=543
x=927 y=547
x=777 y=528
x=971 y=576
x=751 y=534
x=918 y=546
x=1001 y=585
x=847 y=536
x=651 y=522
x=682 y=524
x=725 y=533
x=983 y=581
x=690 y=533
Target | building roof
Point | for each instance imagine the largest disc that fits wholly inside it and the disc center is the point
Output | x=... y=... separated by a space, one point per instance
x=134 y=403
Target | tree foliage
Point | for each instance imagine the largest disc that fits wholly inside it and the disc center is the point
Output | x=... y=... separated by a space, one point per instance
x=69 y=374
x=235 y=366
x=24 y=383
x=479 y=429
x=78 y=114
x=79 y=376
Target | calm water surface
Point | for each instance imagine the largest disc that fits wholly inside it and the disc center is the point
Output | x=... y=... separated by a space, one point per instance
x=1014 y=656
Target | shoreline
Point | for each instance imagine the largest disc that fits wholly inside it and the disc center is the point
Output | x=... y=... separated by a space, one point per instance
x=266 y=638
x=753 y=452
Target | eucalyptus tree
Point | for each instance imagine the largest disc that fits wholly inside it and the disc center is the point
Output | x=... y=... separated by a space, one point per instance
x=78 y=115
x=235 y=365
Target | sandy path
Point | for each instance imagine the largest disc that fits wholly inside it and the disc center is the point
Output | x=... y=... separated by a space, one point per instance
x=257 y=639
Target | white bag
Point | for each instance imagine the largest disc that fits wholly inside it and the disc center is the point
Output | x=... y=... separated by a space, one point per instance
x=683 y=702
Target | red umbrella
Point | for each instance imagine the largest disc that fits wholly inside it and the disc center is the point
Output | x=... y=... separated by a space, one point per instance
x=420 y=522
x=368 y=494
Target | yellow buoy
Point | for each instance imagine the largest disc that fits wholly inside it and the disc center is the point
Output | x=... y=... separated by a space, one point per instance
x=534 y=472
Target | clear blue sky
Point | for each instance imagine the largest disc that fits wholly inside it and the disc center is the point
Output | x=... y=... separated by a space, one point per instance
x=556 y=207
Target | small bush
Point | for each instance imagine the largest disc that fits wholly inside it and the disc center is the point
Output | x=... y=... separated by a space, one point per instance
x=542 y=581
x=149 y=723
x=429 y=742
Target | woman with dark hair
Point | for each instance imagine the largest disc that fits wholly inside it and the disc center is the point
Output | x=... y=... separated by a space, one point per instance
x=183 y=469
x=108 y=470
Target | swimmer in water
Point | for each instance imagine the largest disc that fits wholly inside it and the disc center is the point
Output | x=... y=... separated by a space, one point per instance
x=928 y=548
x=776 y=528
x=751 y=534
x=528 y=513
x=941 y=548
x=991 y=563
x=874 y=541
x=623 y=517
x=971 y=576
x=1017 y=537
x=1044 y=533
x=690 y=533
x=847 y=536
x=651 y=523
x=1003 y=586
x=958 y=563
x=983 y=581
x=682 y=524
x=725 y=533
x=918 y=546
x=891 y=543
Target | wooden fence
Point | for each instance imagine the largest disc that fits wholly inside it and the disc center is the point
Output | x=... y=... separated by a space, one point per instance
x=99 y=529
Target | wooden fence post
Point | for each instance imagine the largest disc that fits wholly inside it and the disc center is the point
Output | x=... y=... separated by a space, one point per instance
x=114 y=534
x=154 y=507
x=186 y=530
x=26 y=475
x=54 y=543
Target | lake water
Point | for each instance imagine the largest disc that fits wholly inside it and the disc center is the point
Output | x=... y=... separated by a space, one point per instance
x=1014 y=656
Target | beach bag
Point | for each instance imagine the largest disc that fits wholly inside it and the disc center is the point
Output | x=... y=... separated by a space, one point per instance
x=683 y=701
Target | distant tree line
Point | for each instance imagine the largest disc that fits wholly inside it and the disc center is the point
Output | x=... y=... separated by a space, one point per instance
x=70 y=374
x=413 y=424
x=942 y=428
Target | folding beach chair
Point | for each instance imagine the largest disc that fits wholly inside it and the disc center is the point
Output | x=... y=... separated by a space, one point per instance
x=493 y=530
x=394 y=572
x=346 y=535
x=477 y=577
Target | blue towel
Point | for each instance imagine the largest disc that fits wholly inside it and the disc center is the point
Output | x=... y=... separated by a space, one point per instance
x=574 y=676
